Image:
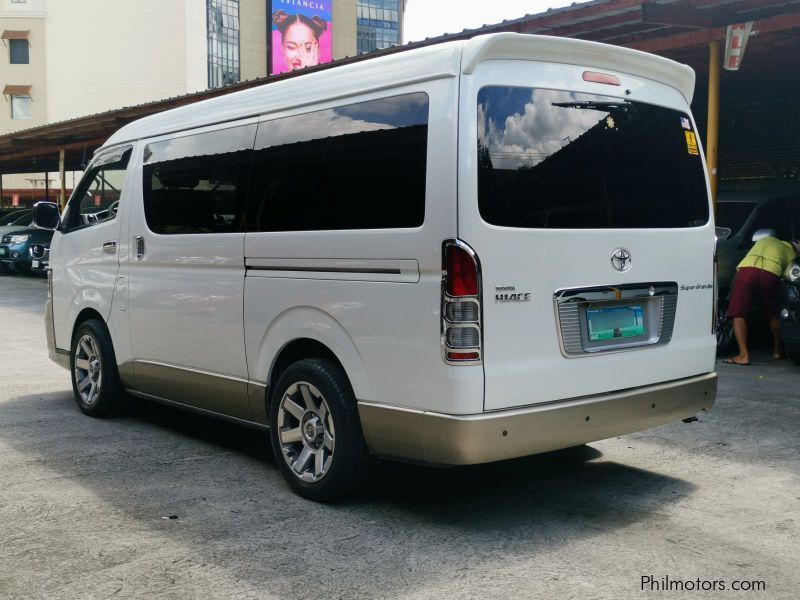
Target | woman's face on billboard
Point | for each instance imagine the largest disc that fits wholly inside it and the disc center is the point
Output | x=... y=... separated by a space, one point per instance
x=300 y=46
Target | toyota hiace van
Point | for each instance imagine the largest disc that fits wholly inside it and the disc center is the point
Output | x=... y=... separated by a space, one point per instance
x=455 y=254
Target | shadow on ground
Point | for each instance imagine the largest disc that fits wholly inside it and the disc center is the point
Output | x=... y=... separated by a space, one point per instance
x=232 y=509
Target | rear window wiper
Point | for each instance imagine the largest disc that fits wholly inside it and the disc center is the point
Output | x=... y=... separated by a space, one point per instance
x=594 y=105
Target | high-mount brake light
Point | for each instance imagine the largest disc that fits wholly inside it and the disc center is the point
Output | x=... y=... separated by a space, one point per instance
x=461 y=305
x=593 y=77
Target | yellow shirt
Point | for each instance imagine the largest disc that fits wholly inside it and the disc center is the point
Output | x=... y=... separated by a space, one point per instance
x=769 y=254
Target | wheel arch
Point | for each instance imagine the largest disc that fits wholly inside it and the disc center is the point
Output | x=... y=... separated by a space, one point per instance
x=81 y=318
x=306 y=332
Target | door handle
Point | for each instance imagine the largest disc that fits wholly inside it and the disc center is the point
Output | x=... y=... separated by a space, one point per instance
x=110 y=246
x=139 y=247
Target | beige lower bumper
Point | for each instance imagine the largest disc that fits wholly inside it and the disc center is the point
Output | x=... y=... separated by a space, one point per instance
x=487 y=437
x=57 y=356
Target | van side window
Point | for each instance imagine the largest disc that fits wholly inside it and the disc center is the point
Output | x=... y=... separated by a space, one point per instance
x=360 y=166
x=96 y=199
x=198 y=183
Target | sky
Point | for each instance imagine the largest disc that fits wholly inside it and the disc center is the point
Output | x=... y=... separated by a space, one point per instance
x=430 y=18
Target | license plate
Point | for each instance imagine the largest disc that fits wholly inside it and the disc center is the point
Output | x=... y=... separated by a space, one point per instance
x=34 y=264
x=615 y=322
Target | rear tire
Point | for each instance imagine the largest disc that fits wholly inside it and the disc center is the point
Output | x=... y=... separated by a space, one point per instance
x=316 y=433
x=93 y=368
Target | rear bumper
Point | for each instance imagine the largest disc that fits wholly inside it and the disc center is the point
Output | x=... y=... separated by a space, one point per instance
x=488 y=437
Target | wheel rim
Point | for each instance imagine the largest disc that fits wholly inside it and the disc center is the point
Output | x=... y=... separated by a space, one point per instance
x=305 y=431
x=88 y=369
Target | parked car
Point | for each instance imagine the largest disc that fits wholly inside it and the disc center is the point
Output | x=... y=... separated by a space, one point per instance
x=790 y=312
x=21 y=219
x=746 y=211
x=40 y=258
x=15 y=246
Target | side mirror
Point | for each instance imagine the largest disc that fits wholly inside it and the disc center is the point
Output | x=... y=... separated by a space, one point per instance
x=46 y=215
x=762 y=233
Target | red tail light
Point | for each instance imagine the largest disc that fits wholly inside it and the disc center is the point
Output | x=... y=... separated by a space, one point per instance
x=462 y=336
x=462 y=272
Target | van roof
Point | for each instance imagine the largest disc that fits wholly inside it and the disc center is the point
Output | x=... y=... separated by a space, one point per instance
x=404 y=68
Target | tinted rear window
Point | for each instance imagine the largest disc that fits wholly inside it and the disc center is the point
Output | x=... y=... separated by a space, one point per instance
x=555 y=159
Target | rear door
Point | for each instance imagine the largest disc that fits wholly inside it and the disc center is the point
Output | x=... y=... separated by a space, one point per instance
x=587 y=205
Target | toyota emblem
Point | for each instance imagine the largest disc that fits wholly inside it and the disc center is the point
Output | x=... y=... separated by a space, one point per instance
x=621 y=259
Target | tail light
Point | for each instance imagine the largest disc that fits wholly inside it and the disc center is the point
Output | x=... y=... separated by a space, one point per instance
x=462 y=338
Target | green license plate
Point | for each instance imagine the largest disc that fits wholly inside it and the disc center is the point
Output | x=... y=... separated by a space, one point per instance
x=615 y=322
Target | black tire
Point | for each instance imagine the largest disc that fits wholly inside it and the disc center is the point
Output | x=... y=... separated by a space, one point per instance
x=351 y=463
x=794 y=355
x=726 y=342
x=108 y=399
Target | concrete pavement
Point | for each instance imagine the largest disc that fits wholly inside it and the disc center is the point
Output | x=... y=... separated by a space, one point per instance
x=165 y=504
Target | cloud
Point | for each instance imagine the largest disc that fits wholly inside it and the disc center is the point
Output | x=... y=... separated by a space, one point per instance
x=527 y=138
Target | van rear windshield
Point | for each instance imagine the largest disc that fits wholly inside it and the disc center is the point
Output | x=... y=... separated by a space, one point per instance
x=556 y=159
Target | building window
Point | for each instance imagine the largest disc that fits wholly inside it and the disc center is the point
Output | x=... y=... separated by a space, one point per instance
x=21 y=106
x=223 y=42
x=18 y=50
x=379 y=24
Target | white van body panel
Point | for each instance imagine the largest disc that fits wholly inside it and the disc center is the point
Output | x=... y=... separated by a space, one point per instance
x=523 y=362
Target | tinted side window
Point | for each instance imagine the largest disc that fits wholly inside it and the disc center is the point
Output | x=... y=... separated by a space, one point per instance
x=360 y=166
x=96 y=199
x=198 y=183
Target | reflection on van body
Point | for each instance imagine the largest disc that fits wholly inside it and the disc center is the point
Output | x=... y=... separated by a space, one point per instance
x=457 y=254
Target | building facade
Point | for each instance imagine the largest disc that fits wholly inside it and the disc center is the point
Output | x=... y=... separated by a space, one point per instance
x=68 y=58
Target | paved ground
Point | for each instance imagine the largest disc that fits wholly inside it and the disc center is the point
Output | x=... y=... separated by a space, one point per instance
x=83 y=503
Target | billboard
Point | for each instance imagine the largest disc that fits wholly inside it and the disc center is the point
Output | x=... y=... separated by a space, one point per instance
x=300 y=34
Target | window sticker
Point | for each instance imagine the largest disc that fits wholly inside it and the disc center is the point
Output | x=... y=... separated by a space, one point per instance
x=686 y=124
x=691 y=143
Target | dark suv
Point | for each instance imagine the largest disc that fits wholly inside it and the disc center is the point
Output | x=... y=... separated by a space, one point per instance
x=748 y=209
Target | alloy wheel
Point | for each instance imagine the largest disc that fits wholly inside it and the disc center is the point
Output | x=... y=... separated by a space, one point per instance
x=88 y=369
x=306 y=432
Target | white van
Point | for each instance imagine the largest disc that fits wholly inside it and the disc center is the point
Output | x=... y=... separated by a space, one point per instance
x=457 y=254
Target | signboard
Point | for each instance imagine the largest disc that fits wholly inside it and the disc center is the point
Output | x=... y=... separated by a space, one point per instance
x=735 y=43
x=300 y=34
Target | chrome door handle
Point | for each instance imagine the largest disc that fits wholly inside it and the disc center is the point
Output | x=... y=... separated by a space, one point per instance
x=110 y=246
x=139 y=247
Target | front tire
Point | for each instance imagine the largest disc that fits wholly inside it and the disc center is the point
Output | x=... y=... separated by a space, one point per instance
x=93 y=369
x=316 y=433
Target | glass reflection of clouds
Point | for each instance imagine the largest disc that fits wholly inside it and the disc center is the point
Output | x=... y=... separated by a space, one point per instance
x=522 y=127
x=235 y=139
x=383 y=114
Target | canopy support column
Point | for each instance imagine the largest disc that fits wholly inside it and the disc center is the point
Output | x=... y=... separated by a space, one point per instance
x=712 y=132
x=62 y=198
